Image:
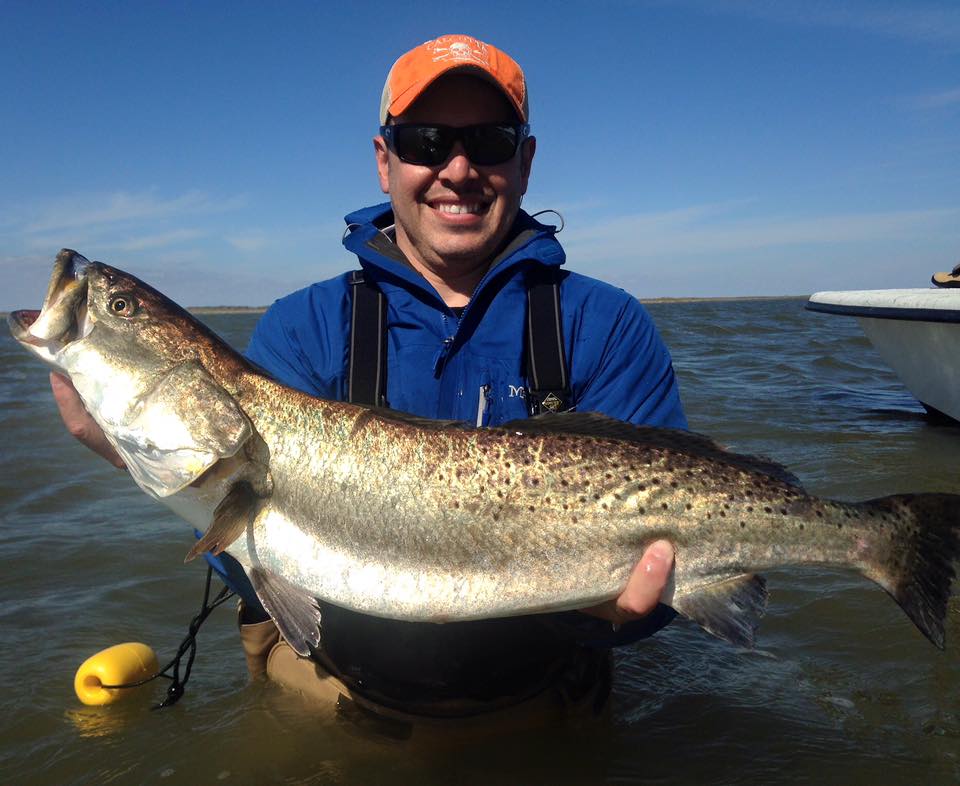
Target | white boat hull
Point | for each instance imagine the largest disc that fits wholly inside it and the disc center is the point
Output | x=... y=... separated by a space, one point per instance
x=915 y=331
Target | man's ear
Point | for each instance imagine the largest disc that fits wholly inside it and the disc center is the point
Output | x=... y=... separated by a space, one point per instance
x=383 y=163
x=527 y=150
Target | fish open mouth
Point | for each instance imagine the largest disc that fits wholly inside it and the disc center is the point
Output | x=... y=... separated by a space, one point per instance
x=64 y=316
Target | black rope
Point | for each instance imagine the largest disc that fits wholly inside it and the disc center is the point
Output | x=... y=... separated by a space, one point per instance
x=189 y=644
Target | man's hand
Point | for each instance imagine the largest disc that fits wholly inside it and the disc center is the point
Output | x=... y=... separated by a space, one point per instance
x=647 y=583
x=78 y=420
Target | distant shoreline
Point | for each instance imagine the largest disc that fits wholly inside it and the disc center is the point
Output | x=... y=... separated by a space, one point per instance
x=720 y=299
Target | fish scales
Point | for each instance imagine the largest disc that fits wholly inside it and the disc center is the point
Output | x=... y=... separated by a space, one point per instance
x=396 y=516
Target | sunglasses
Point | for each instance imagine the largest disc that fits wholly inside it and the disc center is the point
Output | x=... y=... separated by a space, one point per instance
x=485 y=144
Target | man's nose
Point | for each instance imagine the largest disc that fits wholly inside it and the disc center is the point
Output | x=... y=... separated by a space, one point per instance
x=458 y=166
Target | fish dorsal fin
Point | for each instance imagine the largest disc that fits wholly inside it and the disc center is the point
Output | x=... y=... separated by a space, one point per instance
x=415 y=420
x=593 y=424
x=179 y=429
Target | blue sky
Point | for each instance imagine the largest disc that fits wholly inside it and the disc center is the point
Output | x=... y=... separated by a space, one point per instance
x=694 y=147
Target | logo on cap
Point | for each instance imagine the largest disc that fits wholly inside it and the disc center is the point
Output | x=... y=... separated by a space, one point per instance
x=459 y=48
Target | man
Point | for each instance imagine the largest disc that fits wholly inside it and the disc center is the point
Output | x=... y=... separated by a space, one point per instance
x=453 y=255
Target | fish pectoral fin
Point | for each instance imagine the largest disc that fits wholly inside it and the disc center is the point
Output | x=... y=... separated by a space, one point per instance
x=730 y=609
x=295 y=611
x=229 y=521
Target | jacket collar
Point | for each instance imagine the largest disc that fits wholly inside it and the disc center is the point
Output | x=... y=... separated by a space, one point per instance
x=381 y=258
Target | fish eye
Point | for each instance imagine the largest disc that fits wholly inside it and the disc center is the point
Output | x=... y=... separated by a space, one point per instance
x=123 y=305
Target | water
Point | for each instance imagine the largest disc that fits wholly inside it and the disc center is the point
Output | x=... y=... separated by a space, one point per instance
x=842 y=688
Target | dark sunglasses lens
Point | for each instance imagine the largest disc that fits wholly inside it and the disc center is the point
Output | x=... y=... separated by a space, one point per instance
x=423 y=145
x=490 y=144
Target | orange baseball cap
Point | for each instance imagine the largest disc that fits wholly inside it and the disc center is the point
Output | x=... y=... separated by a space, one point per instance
x=415 y=71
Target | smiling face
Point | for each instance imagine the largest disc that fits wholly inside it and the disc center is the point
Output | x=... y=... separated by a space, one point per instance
x=453 y=218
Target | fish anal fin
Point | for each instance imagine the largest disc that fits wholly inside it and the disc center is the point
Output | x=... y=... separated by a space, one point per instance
x=295 y=611
x=730 y=609
x=229 y=521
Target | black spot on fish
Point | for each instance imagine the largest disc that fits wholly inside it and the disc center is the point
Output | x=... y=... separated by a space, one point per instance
x=743 y=525
x=767 y=509
x=689 y=506
x=663 y=505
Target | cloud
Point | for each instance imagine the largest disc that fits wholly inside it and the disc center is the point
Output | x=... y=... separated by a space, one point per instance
x=248 y=242
x=945 y=98
x=90 y=210
x=923 y=23
x=709 y=229
x=159 y=240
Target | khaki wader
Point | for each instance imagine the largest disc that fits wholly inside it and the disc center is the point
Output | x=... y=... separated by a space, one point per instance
x=562 y=698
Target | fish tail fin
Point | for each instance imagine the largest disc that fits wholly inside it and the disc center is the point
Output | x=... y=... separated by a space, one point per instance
x=918 y=561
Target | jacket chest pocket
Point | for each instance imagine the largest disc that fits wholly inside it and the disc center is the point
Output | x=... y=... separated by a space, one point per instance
x=498 y=401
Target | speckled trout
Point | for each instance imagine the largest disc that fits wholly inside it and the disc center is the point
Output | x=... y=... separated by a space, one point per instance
x=412 y=519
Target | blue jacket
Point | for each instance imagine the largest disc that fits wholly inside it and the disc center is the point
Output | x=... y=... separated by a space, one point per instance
x=437 y=365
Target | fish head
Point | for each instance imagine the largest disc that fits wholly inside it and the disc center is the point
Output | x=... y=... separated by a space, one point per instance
x=63 y=316
x=149 y=374
x=111 y=333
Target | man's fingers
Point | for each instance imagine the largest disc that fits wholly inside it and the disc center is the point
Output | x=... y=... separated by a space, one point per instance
x=79 y=422
x=75 y=416
x=648 y=580
x=650 y=577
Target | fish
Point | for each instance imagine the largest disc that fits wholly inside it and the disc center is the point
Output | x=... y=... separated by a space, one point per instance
x=402 y=517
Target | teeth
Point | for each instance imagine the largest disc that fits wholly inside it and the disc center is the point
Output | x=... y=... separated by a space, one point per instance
x=458 y=208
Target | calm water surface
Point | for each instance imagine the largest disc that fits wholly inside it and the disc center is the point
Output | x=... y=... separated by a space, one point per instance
x=842 y=688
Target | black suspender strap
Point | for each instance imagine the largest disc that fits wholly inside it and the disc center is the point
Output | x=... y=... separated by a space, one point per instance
x=367 y=377
x=548 y=386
